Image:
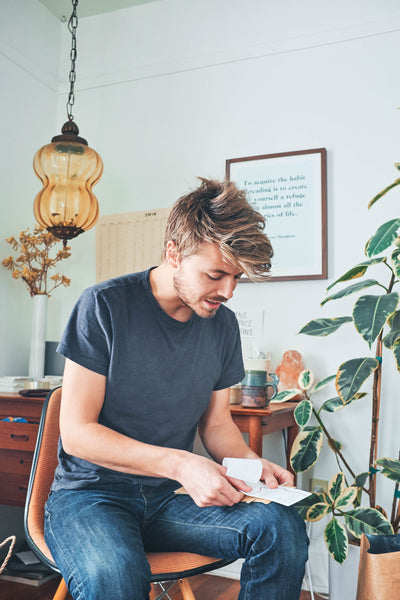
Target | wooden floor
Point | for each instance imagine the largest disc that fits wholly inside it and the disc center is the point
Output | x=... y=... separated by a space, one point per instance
x=205 y=587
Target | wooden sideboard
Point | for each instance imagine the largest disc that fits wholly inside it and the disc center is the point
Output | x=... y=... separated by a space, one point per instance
x=17 y=443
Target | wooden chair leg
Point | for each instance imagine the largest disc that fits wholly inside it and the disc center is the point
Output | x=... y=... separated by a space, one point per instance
x=186 y=590
x=61 y=592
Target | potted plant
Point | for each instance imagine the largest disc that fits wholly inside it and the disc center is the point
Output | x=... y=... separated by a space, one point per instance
x=376 y=317
x=38 y=253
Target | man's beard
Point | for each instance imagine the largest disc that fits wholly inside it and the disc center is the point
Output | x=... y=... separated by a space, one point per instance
x=195 y=304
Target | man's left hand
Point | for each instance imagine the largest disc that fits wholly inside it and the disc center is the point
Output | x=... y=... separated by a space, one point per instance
x=274 y=475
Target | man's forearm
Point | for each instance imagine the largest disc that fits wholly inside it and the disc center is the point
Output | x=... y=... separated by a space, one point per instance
x=225 y=439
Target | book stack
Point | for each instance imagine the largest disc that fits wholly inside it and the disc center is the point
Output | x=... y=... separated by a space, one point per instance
x=12 y=383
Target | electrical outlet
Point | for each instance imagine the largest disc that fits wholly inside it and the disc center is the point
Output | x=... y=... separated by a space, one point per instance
x=318 y=485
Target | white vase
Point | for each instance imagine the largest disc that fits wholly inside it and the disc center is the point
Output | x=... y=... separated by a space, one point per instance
x=38 y=337
x=343 y=578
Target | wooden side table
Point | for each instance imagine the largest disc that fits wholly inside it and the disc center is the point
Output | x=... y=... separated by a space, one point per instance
x=258 y=422
x=17 y=444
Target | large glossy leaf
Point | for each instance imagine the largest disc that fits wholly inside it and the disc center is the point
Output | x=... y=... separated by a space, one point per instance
x=390 y=468
x=286 y=395
x=303 y=412
x=321 y=384
x=383 y=238
x=336 y=485
x=367 y=520
x=317 y=512
x=370 y=314
x=347 y=497
x=352 y=374
x=355 y=287
x=383 y=192
x=306 y=448
x=357 y=271
x=322 y=327
x=336 y=540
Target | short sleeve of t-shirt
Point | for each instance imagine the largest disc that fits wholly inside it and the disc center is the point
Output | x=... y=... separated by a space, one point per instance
x=86 y=339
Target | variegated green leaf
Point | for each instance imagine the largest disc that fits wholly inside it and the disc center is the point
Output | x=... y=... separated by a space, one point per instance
x=323 y=383
x=391 y=338
x=286 y=395
x=390 y=468
x=347 y=497
x=352 y=374
x=303 y=412
x=356 y=397
x=371 y=312
x=395 y=260
x=383 y=238
x=394 y=321
x=356 y=287
x=306 y=448
x=336 y=485
x=396 y=353
x=303 y=505
x=317 y=512
x=367 y=520
x=334 y=445
x=361 y=479
x=305 y=380
x=336 y=540
x=333 y=404
x=383 y=192
x=357 y=271
x=322 y=327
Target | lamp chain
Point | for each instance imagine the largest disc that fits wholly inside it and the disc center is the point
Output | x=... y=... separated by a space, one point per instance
x=72 y=26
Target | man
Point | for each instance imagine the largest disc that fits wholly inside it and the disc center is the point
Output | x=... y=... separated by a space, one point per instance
x=150 y=358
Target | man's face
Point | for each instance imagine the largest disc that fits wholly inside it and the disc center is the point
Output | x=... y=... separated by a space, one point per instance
x=204 y=280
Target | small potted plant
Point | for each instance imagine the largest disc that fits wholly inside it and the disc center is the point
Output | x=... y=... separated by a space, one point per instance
x=39 y=252
x=376 y=318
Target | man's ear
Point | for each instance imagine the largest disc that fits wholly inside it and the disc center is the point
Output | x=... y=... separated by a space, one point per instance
x=172 y=255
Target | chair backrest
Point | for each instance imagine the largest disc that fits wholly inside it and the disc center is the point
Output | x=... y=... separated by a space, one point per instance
x=42 y=474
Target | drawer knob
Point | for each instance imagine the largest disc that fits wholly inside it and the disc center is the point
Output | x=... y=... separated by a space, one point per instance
x=22 y=437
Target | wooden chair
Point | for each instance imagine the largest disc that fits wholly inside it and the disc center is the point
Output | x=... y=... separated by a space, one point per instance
x=167 y=568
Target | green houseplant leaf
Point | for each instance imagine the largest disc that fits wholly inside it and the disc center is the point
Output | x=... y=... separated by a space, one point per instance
x=367 y=520
x=371 y=312
x=357 y=271
x=305 y=380
x=306 y=448
x=304 y=505
x=317 y=511
x=324 y=327
x=321 y=384
x=395 y=260
x=383 y=192
x=336 y=485
x=390 y=468
x=355 y=287
x=336 y=540
x=286 y=395
x=383 y=238
x=396 y=353
x=352 y=374
x=303 y=412
x=347 y=497
x=333 y=404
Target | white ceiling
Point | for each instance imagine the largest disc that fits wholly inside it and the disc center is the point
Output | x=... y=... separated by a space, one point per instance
x=87 y=8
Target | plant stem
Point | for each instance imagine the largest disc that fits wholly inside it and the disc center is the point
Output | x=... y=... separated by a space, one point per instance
x=376 y=402
x=333 y=444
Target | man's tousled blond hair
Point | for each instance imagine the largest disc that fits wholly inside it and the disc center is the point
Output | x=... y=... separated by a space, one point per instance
x=218 y=212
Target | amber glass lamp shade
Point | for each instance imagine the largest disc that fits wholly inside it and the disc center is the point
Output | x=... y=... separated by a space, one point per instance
x=68 y=169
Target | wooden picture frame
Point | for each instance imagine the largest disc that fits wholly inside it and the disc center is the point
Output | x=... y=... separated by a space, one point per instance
x=289 y=190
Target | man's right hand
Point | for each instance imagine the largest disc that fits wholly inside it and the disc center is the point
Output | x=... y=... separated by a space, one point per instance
x=206 y=482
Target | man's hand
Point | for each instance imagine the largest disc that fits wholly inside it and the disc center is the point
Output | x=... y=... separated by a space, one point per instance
x=274 y=475
x=206 y=482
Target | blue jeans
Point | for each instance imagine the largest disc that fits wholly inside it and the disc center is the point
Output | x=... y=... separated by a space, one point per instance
x=98 y=537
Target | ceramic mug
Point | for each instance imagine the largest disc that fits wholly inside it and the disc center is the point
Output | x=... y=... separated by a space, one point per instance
x=257 y=396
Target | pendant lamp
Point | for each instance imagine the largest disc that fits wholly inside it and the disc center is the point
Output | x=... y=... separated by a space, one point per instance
x=68 y=169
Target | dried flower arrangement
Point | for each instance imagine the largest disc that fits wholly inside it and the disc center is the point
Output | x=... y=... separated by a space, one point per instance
x=35 y=260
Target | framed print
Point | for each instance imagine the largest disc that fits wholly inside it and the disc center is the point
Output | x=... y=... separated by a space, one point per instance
x=289 y=190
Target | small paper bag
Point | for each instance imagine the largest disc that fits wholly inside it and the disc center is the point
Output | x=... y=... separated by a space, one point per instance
x=378 y=574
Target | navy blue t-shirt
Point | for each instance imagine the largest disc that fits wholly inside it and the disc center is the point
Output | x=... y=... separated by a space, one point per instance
x=160 y=372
